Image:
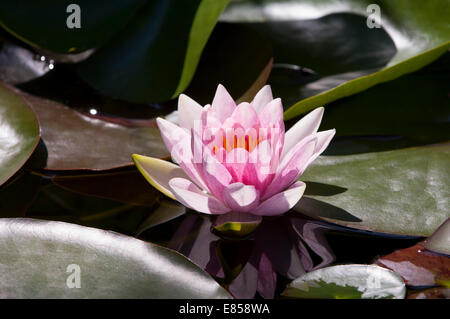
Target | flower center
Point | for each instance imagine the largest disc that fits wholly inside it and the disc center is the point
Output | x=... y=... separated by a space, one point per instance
x=230 y=142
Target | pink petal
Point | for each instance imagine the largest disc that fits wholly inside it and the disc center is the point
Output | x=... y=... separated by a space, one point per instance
x=281 y=202
x=306 y=126
x=323 y=140
x=215 y=175
x=189 y=111
x=171 y=133
x=223 y=104
x=246 y=116
x=272 y=114
x=240 y=197
x=263 y=97
x=191 y=196
x=182 y=154
x=292 y=166
x=236 y=162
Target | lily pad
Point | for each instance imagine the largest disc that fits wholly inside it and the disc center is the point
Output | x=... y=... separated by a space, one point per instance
x=396 y=192
x=19 y=65
x=405 y=22
x=44 y=24
x=19 y=132
x=348 y=282
x=75 y=141
x=418 y=267
x=41 y=259
x=156 y=55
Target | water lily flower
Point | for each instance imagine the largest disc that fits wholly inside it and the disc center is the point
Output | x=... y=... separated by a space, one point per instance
x=235 y=158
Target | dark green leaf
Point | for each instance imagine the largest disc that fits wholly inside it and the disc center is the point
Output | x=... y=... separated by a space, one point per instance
x=230 y=59
x=419 y=31
x=44 y=23
x=154 y=58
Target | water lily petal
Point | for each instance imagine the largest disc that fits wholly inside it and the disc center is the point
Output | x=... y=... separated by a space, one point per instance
x=223 y=104
x=215 y=175
x=240 y=197
x=171 y=133
x=292 y=166
x=262 y=98
x=191 y=196
x=323 y=139
x=188 y=111
x=246 y=116
x=306 y=126
x=281 y=202
x=158 y=172
x=272 y=114
x=182 y=154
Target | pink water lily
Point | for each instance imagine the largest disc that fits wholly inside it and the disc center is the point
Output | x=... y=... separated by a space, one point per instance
x=235 y=157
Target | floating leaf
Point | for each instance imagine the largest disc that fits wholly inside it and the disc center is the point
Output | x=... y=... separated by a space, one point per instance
x=405 y=22
x=418 y=267
x=19 y=132
x=41 y=259
x=156 y=55
x=19 y=65
x=397 y=192
x=74 y=141
x=44 y=24
x=348 y=282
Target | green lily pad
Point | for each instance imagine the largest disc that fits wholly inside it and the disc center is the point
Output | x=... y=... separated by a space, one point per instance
x=348 y=282
x=44 y=24
x=75 y=141
x=41 y=259
x=419 y=31
x=19 y=132
x=154 y=58
x=397 y=192
x=400 y=107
